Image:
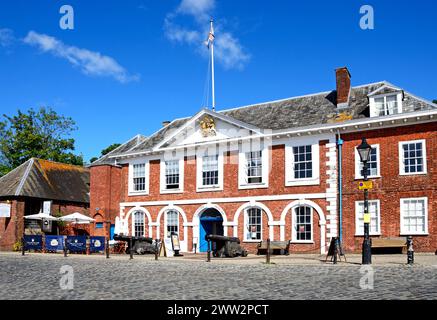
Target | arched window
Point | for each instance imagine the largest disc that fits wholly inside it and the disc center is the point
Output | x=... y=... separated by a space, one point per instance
x=302 y=222
x=139 y=223
x=172 y=217
x=253 y=224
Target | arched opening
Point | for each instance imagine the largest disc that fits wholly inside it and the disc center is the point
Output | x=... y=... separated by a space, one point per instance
x=210 y=222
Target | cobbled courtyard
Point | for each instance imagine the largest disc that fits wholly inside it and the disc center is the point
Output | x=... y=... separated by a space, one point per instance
x=38 y=276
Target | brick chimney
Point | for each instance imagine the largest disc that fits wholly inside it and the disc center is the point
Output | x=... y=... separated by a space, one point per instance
x=343 y=80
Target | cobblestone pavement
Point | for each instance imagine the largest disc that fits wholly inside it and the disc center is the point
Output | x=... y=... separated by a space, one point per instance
x=37 y=276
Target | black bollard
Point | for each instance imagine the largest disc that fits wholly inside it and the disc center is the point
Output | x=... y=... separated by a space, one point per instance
x=23 y=246
x=65 y=247
x=335 y=251
x=107 y=248
x=208 y=258
x=156 y=249
x=410 y=250
x=131 y=251
x=268 y=252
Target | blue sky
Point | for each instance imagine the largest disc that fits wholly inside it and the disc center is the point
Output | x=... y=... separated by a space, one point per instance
x=129 y=65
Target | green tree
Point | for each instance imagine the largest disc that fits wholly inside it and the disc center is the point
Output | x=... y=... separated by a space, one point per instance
x=36 y=133
x=106 y=151
x=434 y=101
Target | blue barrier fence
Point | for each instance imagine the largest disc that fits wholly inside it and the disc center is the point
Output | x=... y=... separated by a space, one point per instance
x=33 y=242
x=76 y=243
x=54 y=243
x=97 y=244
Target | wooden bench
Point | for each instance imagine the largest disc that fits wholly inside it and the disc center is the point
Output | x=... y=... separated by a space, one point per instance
x=282 y=246
x=401 y=243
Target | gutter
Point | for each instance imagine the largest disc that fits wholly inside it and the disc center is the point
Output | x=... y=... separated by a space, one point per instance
x=340 y=187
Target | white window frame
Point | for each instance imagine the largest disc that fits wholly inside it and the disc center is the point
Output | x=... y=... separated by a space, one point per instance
x=163 y=182
x=293 y=225
x=372 y=103
x=378 y=207
x=144 y=222
x=246 y=220
x=166 y=222
x=289 y=162
x=242 y=168
x=401 y=158
x=358 y=174
x=403 y=232
x=199 y=167
x=131 y=191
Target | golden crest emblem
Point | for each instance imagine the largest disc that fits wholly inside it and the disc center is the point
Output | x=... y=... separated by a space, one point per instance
x=207 y=126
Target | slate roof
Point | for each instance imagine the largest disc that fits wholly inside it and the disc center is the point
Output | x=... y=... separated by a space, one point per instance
x=37 y=178
x=319 y=108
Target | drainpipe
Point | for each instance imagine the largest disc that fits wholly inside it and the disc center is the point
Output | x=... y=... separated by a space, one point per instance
x=340 y=187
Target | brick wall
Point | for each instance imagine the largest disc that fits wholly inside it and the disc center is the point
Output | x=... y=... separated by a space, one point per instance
x=391 y=187
x=11 y=229
x=109 y=187
x=105 y=195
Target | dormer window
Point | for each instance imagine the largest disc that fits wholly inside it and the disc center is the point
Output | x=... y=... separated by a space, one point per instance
x=386 y=105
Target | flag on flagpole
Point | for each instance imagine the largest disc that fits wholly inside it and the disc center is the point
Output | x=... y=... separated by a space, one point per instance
x=211 y=36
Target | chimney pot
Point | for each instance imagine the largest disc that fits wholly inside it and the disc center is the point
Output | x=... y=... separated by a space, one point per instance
x=343 y=81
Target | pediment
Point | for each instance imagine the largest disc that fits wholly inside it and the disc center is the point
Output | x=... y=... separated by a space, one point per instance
x=208 y=126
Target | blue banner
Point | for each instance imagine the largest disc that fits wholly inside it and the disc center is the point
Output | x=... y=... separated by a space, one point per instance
x=54 y=243
x=33 y=242
x=76 y=243
x=97 y=244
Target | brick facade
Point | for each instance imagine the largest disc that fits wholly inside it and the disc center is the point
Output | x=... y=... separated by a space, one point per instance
x=106 y=178
x=391 y=186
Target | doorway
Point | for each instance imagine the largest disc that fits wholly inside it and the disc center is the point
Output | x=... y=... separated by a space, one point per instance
x=211 y=222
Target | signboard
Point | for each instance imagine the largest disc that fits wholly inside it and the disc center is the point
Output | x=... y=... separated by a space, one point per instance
x=47 y=207
x=5 y=210
x=362 y=185
x=175 y=242
x=33 y=242
x=168 y=246
x=97 y=244
x=366 y=217
x=54 y=243
x=76 y=243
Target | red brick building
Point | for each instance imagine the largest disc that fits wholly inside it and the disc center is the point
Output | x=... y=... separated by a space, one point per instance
x=272 y=170
x=41 y=186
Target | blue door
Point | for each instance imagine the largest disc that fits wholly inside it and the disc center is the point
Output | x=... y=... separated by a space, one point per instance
x=111 y=232
x=209 y=225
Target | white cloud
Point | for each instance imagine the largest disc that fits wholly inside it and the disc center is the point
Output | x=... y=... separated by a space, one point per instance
x=197 y=8
x=6 y=37
x=89 y=62
x=228 y=49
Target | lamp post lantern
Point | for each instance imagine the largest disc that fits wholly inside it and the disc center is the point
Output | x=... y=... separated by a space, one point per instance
x=364 y=150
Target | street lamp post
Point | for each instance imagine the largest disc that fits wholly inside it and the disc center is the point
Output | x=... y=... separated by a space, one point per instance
x=364 y=150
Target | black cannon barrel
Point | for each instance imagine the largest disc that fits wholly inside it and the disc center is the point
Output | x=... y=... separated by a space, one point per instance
x=216 y=237
x=134 y=239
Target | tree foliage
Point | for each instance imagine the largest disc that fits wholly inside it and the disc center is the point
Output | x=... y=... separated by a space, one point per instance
x=106 y=151
x=36 y=133
x=434 y=101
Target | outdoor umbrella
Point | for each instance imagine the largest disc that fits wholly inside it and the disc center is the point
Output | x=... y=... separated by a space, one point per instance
x=41 y=216
x=77 y=218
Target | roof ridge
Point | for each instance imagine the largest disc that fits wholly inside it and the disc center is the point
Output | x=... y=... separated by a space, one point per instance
x=15 y=169
x=24 y=177
x=58 y=162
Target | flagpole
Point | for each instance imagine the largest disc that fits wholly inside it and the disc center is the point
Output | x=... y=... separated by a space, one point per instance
x=212 y=68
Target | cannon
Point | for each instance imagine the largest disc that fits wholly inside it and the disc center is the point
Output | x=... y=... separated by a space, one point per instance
x=226 y=246
x=140 y=245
